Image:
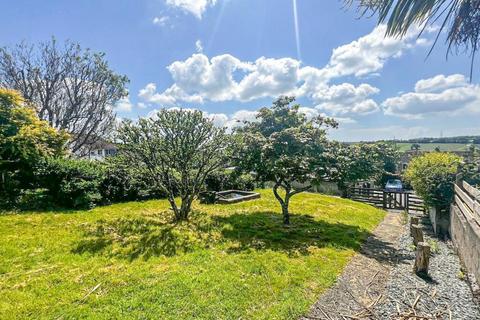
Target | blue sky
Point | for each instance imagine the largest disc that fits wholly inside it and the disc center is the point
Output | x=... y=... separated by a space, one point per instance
x=231 y=57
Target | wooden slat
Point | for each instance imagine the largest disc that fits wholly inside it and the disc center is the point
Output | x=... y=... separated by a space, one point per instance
x=475 y=193
x=472 y=218
x=463 y=208
x=464 y=197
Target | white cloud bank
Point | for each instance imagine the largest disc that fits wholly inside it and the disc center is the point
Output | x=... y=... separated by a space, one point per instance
x=226 y=78
x=438 y=95
x=195 y=7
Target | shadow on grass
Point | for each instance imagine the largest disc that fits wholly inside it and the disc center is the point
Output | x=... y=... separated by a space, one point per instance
x=265 y=231
x=146 y=236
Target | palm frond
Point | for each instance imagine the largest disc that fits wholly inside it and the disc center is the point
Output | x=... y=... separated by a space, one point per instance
x=461 y=19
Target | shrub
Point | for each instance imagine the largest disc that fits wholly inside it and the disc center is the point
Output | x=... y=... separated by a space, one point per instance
x=124 y=183
x=24 y=141
x=71 y=183
x=432 y=176
x=229 y=180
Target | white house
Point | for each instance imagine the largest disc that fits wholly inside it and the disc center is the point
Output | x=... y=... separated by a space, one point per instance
x=100 y=150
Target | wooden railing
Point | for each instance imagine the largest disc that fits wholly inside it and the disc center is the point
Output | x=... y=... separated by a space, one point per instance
x=467 y=199
x=398 y=200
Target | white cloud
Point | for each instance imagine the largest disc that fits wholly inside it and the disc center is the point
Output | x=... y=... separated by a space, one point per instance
x=347 y=99
x=310 y=113
x=440 y=94
x=199 y=46
x=440 y=82
x=161 y=21
x=195 y=7
x=149 y=93
x=227 y=78
x=123 y=105
x=369 y=53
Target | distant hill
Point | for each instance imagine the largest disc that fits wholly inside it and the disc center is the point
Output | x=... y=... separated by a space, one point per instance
x=459 y=143
x=459 y=139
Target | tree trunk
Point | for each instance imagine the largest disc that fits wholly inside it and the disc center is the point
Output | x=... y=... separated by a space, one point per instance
x=185 y=207
x=422 y=258
x=285 y=214
x=413 y=221
x=417 y=234
x=283 y=202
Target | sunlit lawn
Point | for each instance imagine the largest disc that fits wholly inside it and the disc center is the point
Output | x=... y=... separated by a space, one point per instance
x=126 y=261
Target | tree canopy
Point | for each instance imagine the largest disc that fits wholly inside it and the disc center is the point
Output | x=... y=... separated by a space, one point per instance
x=24 y=140
x=179 y=149
x=72 y=88
x=364 y=161
x=286 y=148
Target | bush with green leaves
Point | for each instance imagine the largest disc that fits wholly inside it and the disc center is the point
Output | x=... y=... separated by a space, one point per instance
x=122 y=182
x=432 y=176
x=24 y=141
x=229 y=180
x=71 y=183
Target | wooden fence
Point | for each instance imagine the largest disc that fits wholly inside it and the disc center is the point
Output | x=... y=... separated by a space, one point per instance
x=397 y=200
x=467 y=199
x=464 y=226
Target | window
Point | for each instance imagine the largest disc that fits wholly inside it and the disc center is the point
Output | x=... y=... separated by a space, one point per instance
x=110 y=152
x=100 y=152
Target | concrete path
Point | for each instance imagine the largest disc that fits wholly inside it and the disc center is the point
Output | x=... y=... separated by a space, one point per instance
x=362 y=284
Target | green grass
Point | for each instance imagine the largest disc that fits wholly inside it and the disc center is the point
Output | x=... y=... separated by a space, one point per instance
x=431 y=146
x=127 y=261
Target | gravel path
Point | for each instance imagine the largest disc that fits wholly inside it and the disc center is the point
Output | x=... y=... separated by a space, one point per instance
x=446 y=295
x=379 y=283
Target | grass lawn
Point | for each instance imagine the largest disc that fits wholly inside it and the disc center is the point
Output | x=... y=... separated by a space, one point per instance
x=127 y=261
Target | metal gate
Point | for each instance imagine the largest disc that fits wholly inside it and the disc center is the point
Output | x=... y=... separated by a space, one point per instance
x=394 y=200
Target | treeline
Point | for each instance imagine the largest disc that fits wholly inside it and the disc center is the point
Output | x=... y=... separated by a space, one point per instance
x=459 y=139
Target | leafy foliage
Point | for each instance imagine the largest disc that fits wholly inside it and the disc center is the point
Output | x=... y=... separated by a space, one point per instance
x=178 y=149
x=71 y=183
x=285 y=147
x=432 y=176
x=123 y=182
x=229 y=180
x=365 y=161
x=471 y=166
x=24 y=141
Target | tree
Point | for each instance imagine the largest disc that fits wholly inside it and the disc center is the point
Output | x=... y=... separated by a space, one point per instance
x=432 y=175
x=364 y=161
x=179 y=148
x=24 y=141
x=415 y=147
x=461 y=18
x=73 y=89
x=285 y=148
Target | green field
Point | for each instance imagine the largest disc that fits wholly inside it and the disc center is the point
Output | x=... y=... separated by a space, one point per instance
x=128 y=261
x=431 y=146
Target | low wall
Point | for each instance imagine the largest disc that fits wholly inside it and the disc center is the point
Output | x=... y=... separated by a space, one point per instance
x=440 y=220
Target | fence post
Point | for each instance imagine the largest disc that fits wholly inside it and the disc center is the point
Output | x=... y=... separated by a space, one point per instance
x=384 y=200
x=407 y=202
x=422 y=257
